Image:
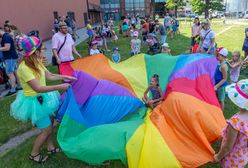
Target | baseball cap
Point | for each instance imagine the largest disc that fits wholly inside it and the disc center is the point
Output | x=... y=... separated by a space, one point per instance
x=222 y=51
x=135 y=34
x=116 y=49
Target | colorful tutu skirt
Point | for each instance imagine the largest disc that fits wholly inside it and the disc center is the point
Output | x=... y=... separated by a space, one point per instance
x=35 y=108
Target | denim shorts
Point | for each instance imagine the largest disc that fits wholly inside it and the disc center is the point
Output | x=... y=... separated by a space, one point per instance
x=44 y=123
x=212 y=51
x=10 y=65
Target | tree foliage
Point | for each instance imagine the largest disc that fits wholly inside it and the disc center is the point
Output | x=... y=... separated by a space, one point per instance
x=175 y=4
x=200 y=6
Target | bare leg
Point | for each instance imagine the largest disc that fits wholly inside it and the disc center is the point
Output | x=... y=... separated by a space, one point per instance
x=12 y=80
x=40 y=140
x=222 y=105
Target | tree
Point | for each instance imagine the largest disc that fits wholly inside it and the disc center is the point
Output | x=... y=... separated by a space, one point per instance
x=175 y=4
x=200 y=6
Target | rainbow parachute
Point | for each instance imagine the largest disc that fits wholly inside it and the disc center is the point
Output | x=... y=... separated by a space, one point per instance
x=104 y=119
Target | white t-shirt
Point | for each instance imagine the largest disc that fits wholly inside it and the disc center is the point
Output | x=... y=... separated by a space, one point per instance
x=94 y=51
x=135 y=45
x=207 y=40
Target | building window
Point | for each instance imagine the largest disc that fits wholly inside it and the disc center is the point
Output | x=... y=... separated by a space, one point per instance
x=56 y=15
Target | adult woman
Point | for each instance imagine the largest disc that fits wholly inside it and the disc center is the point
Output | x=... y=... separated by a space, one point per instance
x=207 y=35
x=245 y=44
x=196 y=30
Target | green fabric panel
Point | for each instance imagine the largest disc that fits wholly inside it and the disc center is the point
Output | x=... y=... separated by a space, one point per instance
x=96 y=144
x=161 y=64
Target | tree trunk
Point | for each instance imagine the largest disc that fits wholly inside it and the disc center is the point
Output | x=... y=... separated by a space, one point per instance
x=207 y=2
x=152 y=8
x=176 y=11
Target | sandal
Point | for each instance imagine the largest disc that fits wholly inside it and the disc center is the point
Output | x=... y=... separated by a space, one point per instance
x=41 y=159
x=54 y=151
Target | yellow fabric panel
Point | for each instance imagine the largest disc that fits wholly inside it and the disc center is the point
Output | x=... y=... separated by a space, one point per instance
x=134 y=69
x=147 y=149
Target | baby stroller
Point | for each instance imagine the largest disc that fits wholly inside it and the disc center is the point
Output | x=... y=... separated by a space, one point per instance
x=153 y=44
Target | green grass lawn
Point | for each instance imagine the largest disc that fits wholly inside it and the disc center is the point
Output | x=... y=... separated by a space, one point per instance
x=232 y=39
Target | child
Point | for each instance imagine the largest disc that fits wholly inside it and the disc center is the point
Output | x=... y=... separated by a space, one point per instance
x=37 y=102
x=234 y=149
x=116 y=57
x=166 y=49
x=221 y=75
x=157 y=95
x=94 y=50
x=90 y=32
x=135 y=44
x=235 y=65
x=115 y=37
x=131 y=31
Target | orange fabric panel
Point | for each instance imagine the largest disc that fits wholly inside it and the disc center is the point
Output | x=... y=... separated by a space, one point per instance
x=98 y=66
x=189 y=125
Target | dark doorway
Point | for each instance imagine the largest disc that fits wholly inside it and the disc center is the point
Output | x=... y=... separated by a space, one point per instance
x=55 y=14
x=85 y=19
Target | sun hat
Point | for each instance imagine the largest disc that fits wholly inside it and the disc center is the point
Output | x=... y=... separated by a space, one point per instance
x=222 y=51
x=116 y=49
x=61 y=24
x=165 y=45
x=135 y=34
x=238 y=93
x=30 y=44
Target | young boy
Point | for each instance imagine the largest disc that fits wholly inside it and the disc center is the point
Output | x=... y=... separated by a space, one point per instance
x=116 y=57
x=221 y=75
x=166 y=49
x=135 y=44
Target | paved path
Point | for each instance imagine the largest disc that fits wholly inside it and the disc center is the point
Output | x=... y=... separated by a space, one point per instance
x=17 y=140
x=82 y=37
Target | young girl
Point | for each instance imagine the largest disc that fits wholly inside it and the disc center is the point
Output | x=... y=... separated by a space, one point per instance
x=37 y=102
x=135 y=44
x=94 y=50
x=115 y=37
x=234 y=147
x=221 y=75
x=235 y=65
x=116 y=57
x=157 y=95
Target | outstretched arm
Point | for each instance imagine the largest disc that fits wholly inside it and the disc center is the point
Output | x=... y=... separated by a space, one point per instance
x=35 y=85
x=51 y=76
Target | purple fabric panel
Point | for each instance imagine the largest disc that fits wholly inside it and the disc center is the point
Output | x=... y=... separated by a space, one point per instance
x=108 y=88
x=196 y=69
x=83 y=86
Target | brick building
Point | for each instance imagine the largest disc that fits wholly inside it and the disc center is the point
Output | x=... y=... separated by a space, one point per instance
x=39 y=14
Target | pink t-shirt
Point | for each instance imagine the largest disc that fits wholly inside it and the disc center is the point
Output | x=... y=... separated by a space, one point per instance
x=65 y=53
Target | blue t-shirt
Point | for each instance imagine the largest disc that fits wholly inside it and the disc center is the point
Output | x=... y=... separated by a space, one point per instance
x=116 y=57
x=11 y=54
x=245 y=44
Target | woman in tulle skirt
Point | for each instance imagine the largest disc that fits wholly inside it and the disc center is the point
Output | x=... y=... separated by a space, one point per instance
x=37 y=102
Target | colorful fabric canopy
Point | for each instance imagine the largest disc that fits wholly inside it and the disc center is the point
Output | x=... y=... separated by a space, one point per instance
x=103 y=118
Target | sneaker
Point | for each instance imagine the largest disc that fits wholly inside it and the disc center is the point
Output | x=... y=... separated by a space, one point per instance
x=18 y=88
x=10 y=93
